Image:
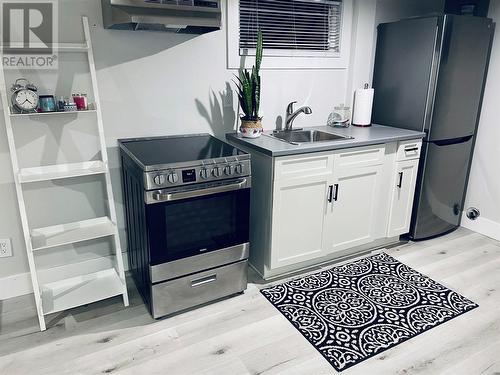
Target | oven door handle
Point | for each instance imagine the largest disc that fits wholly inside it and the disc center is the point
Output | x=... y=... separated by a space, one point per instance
x=158 y=196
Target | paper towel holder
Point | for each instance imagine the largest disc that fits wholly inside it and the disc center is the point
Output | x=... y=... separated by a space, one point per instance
x=363 y=102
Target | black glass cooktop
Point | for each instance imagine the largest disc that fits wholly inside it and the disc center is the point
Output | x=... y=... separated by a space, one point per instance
x=165 y=150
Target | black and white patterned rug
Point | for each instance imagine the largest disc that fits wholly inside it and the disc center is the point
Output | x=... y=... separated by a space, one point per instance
x=355 y=311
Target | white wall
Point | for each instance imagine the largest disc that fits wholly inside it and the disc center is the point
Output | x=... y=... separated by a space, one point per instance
x=484 y=181
x=150 y=84
x=363 y=47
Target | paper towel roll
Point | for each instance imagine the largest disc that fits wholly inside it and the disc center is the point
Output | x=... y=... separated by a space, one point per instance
x=363 y=102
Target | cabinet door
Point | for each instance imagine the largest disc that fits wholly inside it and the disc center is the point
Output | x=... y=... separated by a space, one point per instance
x=404 y=181
x=353 y=212
x=299 y=212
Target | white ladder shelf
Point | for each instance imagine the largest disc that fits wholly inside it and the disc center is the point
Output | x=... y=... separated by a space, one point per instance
x=90 y=287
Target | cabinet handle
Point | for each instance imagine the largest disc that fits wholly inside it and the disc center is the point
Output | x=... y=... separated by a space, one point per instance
x=411 y=149
x=330 y=193
x=203 y=280
x=400 y=183
x=336 y=194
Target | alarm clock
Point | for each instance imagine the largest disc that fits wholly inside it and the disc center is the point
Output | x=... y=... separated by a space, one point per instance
x=24 y=96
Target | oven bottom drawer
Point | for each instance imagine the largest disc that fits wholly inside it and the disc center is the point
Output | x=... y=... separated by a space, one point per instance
x=189 y=291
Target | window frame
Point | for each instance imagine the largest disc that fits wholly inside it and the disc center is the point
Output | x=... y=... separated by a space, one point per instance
x=289 y=59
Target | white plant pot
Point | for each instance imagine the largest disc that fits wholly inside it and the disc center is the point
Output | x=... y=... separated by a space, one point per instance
x=251 y=129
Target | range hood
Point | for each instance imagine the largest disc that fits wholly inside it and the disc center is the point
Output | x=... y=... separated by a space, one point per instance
x=182 y=16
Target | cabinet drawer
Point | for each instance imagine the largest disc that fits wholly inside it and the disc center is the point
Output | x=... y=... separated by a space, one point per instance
x=185 y=292
x=360 y=157
x=408 y=150
x=299 y=167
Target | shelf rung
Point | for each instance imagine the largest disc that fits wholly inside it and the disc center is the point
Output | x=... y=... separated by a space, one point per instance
x=61 y=47
x=12 y=114
x=71 y=47
x=80 y=290
x=59 y=171
x=65 y=234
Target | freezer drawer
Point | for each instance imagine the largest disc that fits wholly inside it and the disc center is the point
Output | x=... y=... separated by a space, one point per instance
x=185 y=292
x=439 y=202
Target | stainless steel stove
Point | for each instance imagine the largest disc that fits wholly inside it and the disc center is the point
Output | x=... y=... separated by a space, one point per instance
x=187 y=207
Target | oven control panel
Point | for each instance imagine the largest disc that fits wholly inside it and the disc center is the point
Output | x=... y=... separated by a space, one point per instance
x=199 y=174
x=188 y=175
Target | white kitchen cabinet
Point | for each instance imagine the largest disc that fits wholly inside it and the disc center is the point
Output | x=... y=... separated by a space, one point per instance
x=325 y=203
x=299 y=216
x=353 y=212
x=403 y=190
x=357 y=193
x=328 y=204
x=300 y=203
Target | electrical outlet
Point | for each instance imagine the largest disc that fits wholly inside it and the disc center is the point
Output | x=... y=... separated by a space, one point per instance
x=5 y=248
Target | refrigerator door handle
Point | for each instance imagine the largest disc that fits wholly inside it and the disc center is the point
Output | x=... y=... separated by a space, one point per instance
x=454 y=141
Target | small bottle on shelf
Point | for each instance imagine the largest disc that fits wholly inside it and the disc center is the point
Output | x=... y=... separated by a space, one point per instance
x=60 y=104
x=80 y=101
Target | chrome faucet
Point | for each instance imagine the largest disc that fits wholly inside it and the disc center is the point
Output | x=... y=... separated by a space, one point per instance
x=290 y=114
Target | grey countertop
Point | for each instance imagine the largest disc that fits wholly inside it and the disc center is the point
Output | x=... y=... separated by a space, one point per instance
x=375 y=134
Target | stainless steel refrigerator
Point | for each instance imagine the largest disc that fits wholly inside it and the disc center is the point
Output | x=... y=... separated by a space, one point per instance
x=429 y=75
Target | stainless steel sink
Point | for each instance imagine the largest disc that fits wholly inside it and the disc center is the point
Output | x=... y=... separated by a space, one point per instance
x=307 y=136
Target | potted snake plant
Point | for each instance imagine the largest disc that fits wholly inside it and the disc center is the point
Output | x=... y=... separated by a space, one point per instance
x=249 y=89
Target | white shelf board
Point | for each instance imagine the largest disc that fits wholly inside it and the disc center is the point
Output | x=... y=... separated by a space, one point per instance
x=60 y=47
x=12 y=114
x=71 y=47
x=80 y=290
x=55 y=172
x=65 y=234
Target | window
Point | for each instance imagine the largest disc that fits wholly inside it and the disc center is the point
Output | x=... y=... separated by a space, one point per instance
x=298 y=34
x=300 y=27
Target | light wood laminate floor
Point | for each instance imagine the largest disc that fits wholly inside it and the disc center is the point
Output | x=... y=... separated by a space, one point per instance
x=247 y=335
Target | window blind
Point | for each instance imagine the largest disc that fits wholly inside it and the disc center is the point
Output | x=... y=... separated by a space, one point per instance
x=310 y=25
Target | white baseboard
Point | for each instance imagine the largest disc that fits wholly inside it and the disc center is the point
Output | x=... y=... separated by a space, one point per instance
x=20 y=284
x=483 y=226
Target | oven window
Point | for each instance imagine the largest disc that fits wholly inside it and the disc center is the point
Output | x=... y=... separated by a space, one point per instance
x=193 y=226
